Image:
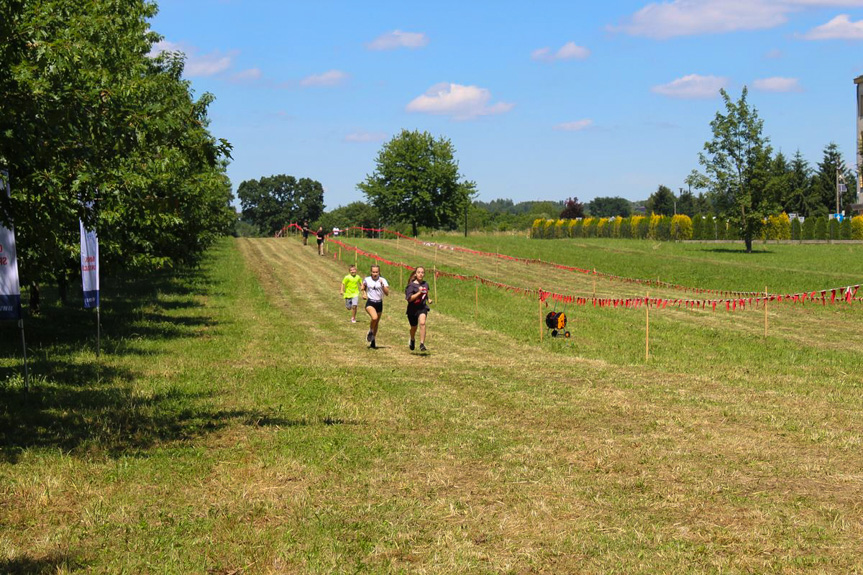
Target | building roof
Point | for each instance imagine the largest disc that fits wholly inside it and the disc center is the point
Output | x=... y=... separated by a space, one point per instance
x=858 y=80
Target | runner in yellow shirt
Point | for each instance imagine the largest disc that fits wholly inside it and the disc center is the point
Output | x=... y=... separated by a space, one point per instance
x=351 y=291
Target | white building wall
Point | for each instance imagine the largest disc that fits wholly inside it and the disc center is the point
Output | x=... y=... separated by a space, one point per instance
x=859 y=82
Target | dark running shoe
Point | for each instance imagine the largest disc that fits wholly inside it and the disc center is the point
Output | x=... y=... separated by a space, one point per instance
x=411 y=344
x=370 y=336
x=372 y=344
x=423 y=347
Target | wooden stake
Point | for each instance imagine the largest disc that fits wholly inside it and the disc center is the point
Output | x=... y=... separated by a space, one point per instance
x=540 y=319
x=476 y=290
x=647 y=327
x=765 y=312
x=435 y=283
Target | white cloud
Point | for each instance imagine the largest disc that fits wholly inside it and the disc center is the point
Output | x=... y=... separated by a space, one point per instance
x=246 y=76
x=777 y=84
x=327 y=79
x=774 y=54
x=576 y=126
x=208 y=64
x=839 y=28
x=398 y=39
x=569 y=51
x=366 y=137
x=691 y=17
x=460 y=102
x=692 y=87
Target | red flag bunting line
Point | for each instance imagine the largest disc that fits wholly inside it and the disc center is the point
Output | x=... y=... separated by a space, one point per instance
x=611 y=277
x=847 y=293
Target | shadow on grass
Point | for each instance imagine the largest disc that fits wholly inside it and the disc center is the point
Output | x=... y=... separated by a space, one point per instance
x=742 y=250
x=110 y=420
x=88 y=408
x=54 y=563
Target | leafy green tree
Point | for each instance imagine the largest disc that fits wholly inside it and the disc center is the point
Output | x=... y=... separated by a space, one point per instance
x=496 y=206
x=355 y=214
x=703 y=203
x=662 y=201
x=606 y=207
x=92 y=127
x=737 y=161
x=275 y=201
x=416 y=181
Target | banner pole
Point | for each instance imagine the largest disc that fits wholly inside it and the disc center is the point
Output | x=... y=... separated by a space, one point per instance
x=476 y=291
x=98 y=331
x=24 y=348
x=435 y=283
x=765 y=312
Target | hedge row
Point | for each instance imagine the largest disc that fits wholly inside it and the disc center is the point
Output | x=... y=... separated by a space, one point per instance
x=637 y=227
x=681 y=227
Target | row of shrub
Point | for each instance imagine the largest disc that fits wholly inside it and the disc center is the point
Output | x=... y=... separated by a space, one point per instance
x=682 y=227
x=637 y=227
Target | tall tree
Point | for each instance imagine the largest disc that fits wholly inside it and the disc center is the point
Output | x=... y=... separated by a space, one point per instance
x=572 y=209
x=737 y=161
x=416 y=181
x=779 y=180
x=662 y=201
x=92 y=127
x=703 y=203
x=606 y=207
x=687 y=203
x=802 y=199
x=830 y=169
x=274 y=201
x=262 y=202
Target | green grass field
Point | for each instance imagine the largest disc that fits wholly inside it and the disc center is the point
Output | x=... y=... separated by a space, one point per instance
x=237 y=423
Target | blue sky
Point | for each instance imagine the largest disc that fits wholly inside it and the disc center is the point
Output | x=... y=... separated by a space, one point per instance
x=541 y=100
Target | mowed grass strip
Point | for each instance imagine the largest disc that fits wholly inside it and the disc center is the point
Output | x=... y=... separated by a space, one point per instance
x=490 y=454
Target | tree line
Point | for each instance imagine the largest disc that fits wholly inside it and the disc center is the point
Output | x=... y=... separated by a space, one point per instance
x=416 y=183
x=95 y=126
x=745 y=182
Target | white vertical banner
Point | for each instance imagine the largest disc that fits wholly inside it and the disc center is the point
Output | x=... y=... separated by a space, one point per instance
x=10 y=289
x=90 y=266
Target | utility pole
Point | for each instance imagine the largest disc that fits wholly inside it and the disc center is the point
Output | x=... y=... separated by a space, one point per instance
x=837 y=189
